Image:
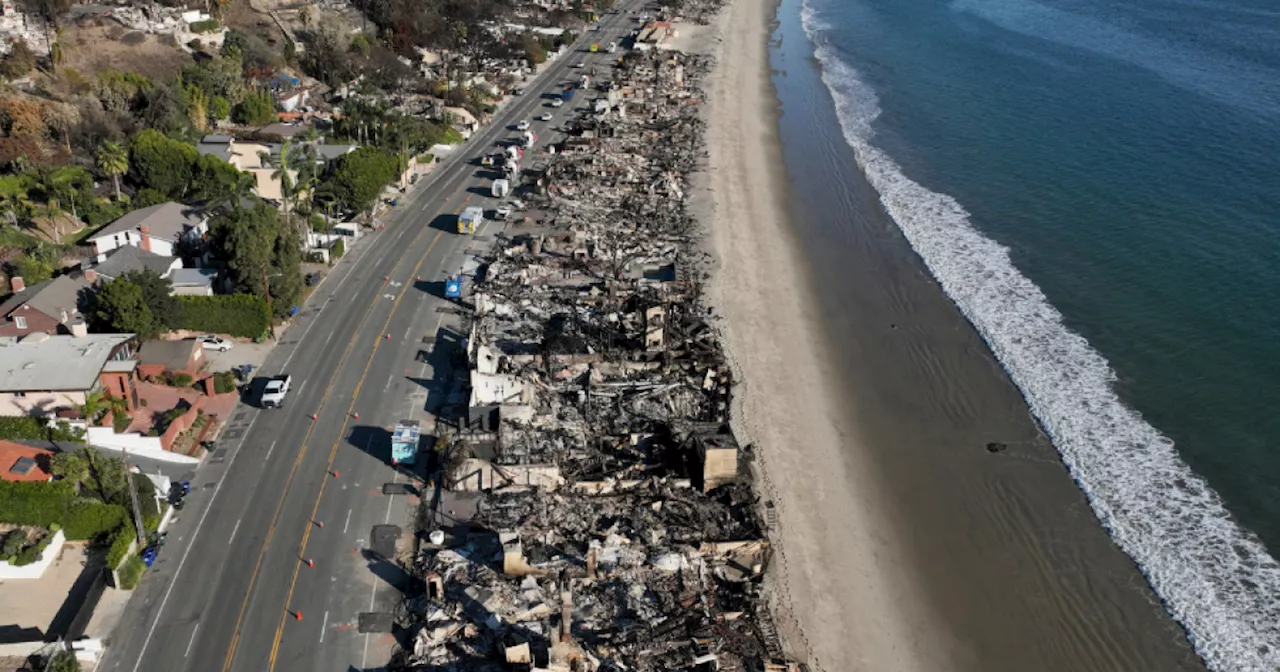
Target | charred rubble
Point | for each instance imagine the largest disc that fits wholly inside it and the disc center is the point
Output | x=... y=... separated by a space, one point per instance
x=591 y=508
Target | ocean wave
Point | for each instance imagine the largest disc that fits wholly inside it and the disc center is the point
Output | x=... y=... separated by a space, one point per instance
x=1214 y=577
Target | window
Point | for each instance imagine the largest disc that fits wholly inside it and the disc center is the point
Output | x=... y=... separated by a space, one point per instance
x=19 y=395
x=20 y=321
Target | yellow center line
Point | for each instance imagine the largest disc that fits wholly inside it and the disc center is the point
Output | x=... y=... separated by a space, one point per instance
x=235 y=637
x=333 y=452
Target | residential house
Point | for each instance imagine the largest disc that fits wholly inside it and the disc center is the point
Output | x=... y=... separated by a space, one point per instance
x=156 y=358
x=20 y=462
x=131 y=259
x=158 y=229
x=42 y=374
x=292 y=101
x=50 y=307
x=261 y=160
x=461 y=120
x=193 y=281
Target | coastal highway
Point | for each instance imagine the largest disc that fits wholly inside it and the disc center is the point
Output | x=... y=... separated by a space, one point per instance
x=283 y=488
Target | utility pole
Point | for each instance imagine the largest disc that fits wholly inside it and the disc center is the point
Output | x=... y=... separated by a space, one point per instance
x=137 y=509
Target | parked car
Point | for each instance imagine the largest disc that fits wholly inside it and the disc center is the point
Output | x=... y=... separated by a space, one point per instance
x=523 y=125
x=557 y=102
x=211 y=342
x=275 y=391
x=545 y=116
x=313 y=279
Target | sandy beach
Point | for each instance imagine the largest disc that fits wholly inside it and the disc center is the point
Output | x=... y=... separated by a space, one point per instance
x=840 y=598
x=903 y=543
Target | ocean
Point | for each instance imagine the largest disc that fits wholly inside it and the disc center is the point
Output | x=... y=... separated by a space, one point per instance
x=1096 y=187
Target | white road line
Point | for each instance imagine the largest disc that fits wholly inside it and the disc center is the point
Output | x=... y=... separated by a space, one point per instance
x=331 y=333
x=344 y=525
x=151 y=631
x=273 y=447
x=324 y=626
x=192 y=640
x=233 y=532
x=390 y=501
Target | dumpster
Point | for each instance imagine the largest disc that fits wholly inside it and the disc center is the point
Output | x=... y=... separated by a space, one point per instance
x=453 y=287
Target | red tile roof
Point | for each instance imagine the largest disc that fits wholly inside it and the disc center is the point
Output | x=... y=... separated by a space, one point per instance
x=12 y=453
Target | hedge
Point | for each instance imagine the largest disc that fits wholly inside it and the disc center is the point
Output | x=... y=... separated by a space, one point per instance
x=45 y=504
x=243 y=315
x=121 y=539
x=208 y=26
x=224 y=382
x=28 y=427
x=338 y=249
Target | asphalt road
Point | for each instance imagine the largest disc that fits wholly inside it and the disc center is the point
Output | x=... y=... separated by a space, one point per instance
x=284 y=488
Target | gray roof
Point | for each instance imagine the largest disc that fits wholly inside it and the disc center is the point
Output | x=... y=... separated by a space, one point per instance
x=55 y=363
x=331 y=152
x=193 y=277
x=129 y=258
x=167 y=220
x=221 y=150
x=51 y=297
x=282 y=130
x=169 y=354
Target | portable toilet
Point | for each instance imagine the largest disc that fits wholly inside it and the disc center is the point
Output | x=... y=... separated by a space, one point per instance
x=453 y=287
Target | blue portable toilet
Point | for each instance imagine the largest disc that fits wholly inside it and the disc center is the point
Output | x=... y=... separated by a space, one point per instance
x=453 y=287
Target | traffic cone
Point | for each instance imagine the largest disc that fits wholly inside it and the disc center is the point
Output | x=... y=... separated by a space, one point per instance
x=356 y=415
x=388 y=337
x=335 y=473
x=315 y=416
x=387 y=278
x=320 y=524
x=311 y=563
x=297 y=615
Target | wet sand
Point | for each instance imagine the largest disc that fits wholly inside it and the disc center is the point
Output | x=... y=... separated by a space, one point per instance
x=904 y=543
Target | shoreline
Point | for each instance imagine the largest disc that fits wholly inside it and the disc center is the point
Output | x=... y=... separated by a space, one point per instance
x=837 y=597
x=869 y=398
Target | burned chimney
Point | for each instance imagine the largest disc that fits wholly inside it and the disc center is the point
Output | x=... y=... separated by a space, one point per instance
x=17 y=284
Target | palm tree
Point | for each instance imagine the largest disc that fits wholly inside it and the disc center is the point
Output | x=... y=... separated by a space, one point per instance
x=13 y=196
x=288 y=189
x=113 y=160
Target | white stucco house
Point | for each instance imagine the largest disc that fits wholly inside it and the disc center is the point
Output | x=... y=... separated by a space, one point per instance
x=158 y=229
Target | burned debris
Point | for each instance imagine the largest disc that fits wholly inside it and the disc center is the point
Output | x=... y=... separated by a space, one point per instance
x=591 y=509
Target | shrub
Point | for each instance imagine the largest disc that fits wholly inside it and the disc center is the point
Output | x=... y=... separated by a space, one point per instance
x=35 y=428
x=120 y=422
x=48 y=504
x=120 y=541
x=31 y=553
x=243 y=315
x=338 y=249
x=54 y=528
x=208 y=26
x=224 y=382
x=180 y=380
x=131 y=572
x=13 y=543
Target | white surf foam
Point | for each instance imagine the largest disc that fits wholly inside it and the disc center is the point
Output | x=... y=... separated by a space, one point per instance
x=1215 y=578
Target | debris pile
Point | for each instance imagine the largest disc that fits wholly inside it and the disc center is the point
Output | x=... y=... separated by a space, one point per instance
x=591 y=509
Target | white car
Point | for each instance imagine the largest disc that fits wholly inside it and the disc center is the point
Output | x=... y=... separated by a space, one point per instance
x=546 y=116
x=502 y=212
x=523 y=125
x=557 y=103
x=211 y=342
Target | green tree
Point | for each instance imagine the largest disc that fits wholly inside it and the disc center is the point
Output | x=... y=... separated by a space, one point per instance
x=63 y=661
x=360 y=176
x=72 y=466
x=30 y=269
x=157 y=293
x=263 y=255
x=113 y=161
x=107 y=477
x=66 y=182
x=257 y=109
x=216 y=182
x=120 y=306
x=162 y=163
x=147 y=197
x=14 y=190
x=219 y=108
